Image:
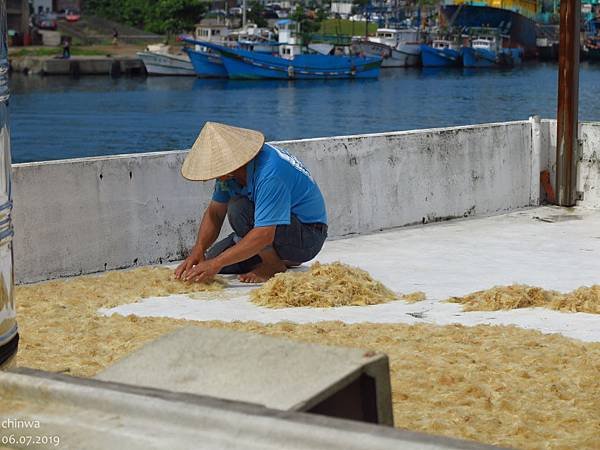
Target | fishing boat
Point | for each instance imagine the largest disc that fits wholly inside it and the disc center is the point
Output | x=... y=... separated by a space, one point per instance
x=159 y=60
x=513 y=17
x=441 y=53
x=207 y=62
x=289 y=65
x=397 y=47
x=592 y=46
x=485 y=52
x=547 y=49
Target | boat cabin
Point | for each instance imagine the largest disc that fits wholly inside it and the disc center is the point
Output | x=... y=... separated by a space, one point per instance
x=394 y=37
x=212 y=33
x=289 y=44
x=441 y=44
x=386 y=36
x=257 y=39
x=289 y=51
x=484 y=43
x=286 y=30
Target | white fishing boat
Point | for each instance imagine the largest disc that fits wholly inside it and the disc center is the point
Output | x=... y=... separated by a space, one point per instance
x=159 y=60
x=397 y=47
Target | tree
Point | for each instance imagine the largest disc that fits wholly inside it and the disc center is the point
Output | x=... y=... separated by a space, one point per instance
x=173 y=16
x=156 y=16
x=306 y=25
x=255 y=14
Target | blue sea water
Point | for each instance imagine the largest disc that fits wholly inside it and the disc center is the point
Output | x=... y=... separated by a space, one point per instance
x=62 y=117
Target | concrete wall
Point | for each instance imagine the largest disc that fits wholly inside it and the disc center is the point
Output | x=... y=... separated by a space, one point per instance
x=589 y=168
x=588 y=176
x=87 y=215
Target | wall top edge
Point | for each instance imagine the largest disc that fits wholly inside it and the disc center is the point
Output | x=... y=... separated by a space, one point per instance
x=581 y=122
x=318 y=139
x=100 y=158
x=407 y=132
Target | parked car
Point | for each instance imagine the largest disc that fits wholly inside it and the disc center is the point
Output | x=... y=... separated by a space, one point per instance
x=72 y=15
x=45 y=22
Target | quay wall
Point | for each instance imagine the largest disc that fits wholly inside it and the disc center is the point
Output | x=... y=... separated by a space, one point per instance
x=589 y=167
x=588 y=174
x=78 y=65
x=93 y=214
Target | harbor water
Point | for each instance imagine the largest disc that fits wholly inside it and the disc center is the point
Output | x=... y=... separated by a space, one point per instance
x=61 y=117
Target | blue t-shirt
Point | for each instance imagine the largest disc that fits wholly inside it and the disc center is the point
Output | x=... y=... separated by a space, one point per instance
x=279 y=185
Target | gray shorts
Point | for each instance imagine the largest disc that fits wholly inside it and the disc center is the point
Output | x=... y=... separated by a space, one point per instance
x=297 y=242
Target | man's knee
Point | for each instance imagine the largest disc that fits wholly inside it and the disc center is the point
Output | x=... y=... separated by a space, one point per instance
x=240 y=213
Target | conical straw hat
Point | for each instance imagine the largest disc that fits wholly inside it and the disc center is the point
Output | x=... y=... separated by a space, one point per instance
x=219 y=150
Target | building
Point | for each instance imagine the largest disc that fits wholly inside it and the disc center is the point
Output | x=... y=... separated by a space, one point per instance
x=42 y=6
x=344 y=9
x=17 y=15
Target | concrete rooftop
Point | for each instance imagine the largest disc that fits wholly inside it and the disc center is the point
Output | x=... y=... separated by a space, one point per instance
x=549 y=247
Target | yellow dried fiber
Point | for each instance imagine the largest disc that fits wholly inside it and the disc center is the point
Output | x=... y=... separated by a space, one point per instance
x=493 y=384
x=118 y=287
x=414 y=297
x=583 y=299
x=323 y=285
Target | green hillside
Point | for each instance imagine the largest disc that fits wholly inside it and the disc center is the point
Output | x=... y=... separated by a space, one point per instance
x=345 y=27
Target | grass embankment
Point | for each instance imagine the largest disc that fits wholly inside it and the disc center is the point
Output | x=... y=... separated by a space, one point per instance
x=345 y=27
x=57 y=51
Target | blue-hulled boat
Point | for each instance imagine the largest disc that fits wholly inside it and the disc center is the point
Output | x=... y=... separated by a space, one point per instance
x=206 y=65
x=244 y=64
x=440 y=54
x=515 y=18
x=485 y=53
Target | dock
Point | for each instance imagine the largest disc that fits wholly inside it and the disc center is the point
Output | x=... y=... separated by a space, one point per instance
x=79 y=65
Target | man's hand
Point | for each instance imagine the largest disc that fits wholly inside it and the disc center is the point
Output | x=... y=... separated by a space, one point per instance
x=203 y=271
x=195 y=257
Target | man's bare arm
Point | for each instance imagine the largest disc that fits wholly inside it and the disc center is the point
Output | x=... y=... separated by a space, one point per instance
x=211 y=225
x=208 y=231
x=256 y=240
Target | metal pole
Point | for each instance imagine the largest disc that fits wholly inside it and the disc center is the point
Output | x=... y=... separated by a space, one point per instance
x=568 y=103
x=367 y=21
x=244 y=15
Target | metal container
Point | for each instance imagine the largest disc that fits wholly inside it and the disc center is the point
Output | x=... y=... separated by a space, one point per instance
x=8 y=324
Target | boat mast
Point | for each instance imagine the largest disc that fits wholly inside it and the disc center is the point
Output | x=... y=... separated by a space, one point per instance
x=367 y=19
x=419 y=21
x=244 y=15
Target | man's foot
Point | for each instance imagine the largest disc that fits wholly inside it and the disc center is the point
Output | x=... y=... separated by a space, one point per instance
x=262 y=273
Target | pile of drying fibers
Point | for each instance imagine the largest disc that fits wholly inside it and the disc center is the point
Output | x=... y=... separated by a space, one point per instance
x=64 y=313
x=120 y=287
x=494 y=384
x=584 y=299
x=499 y=385
x=322 y=286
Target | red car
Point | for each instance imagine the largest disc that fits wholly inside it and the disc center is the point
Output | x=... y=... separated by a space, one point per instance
x=72 y=15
